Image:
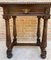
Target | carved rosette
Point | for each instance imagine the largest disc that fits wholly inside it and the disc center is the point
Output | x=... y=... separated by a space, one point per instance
x=26 y=11
x=47 y=13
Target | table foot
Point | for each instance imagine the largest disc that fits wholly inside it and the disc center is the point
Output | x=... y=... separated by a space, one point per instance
x=9 y=53
x=43 y=55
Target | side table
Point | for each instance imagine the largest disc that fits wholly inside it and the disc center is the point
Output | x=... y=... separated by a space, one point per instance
x=41 y=10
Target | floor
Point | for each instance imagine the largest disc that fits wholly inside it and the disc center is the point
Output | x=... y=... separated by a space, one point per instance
x=24 y=52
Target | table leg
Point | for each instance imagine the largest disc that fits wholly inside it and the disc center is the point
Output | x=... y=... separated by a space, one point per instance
x=38 y=31
x=14 y=30
x=8 y=37
x=44 y=39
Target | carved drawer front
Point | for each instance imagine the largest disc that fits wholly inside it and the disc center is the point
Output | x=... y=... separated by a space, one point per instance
x=24 y=10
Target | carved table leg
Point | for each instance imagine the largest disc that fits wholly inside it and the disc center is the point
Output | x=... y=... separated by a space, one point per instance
x=44 y=39
x=8 y=37
x=14 y=30
x=38 y=31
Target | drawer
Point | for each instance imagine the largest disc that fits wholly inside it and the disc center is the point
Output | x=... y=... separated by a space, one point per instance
x=14 y=10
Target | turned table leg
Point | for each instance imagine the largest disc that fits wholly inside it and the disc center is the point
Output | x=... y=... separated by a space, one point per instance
x=8 y=37
x=14 y=30
x=38 y=31
x=44 y=39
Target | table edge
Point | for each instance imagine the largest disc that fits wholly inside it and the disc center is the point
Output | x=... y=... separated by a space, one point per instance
x=25 y=2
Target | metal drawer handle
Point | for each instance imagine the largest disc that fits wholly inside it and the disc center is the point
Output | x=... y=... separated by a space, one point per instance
x=26 y=10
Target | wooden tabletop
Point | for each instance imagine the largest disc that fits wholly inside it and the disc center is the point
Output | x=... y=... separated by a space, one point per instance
x=25 y=1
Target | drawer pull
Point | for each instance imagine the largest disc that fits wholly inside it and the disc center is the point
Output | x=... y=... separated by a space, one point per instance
x=26 y=10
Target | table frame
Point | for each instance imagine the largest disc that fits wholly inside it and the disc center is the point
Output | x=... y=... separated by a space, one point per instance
x=41 y=10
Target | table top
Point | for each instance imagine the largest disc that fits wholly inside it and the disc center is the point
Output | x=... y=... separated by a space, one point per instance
x=25 y=1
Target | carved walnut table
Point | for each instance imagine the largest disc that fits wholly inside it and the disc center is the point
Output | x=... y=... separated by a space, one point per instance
x=41 y=10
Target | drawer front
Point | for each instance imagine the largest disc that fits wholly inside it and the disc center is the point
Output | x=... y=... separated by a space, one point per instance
x=34 y=9
x=14 y=10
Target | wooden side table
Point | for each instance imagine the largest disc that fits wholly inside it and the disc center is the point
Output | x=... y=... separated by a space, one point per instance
x=41 y=10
